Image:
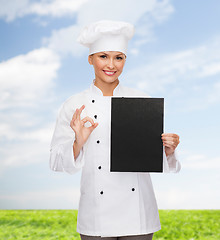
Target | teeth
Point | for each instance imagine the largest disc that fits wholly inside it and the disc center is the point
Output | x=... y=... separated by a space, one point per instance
x=109 y=73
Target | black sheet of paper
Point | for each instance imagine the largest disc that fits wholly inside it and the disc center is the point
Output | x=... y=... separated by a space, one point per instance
x=136 y=128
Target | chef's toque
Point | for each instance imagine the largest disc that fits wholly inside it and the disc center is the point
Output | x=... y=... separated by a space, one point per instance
x=106 y=35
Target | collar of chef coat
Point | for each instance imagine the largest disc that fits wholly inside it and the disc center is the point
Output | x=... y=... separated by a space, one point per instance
x=95 y=90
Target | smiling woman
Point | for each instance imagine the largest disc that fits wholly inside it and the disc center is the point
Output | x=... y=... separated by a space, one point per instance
x=108 y=66
x=113 y=205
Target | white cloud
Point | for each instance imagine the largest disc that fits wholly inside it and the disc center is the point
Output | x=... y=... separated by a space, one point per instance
x=194 y=187
x=159 y=10
x=26 y=78
x=63 y=41
x=65 y=198
x=42 y=135
x=144 y=15
x=56 y=8
x=214 y=95
x=163 y=10
x=182 y=198
x=201 y=162
x=124 y=10
x=186 y=67
x=26 y=82
x=14 y=131
x=22 y=146
x=23 y=153
x=10 y=10
x=23 y=140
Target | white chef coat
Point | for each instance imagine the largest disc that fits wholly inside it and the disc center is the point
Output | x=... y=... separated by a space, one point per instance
x=111 y=203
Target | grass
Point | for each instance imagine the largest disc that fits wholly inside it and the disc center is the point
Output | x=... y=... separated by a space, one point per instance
x=38 y=224
x=61 y=225
x=189 y=225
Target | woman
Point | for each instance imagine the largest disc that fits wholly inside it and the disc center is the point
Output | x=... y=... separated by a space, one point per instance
x=113 y=205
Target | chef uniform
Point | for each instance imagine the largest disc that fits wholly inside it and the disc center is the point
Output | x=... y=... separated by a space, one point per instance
x=111 y=203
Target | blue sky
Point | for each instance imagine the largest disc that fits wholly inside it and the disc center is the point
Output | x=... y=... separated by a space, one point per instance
x=174 y=54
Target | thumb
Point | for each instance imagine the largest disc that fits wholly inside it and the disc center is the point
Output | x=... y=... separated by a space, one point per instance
x=93 y=127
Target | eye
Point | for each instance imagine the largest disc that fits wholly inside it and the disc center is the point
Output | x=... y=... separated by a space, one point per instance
x=119 y=58
x=103 y=56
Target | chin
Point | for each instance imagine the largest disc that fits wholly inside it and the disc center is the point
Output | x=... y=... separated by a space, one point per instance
x=111 y=81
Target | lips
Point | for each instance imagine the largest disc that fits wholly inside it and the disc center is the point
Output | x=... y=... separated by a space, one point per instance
x=109 y=73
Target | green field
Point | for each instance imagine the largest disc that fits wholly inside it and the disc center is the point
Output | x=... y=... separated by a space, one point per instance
x=61 y=224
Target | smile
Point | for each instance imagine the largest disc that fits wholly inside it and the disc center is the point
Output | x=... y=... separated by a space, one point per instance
x=109 y=73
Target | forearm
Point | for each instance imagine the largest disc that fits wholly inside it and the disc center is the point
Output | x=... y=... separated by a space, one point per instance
x=76 y=149
x=170 y=163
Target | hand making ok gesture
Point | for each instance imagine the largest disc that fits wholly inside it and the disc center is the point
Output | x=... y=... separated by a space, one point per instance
x=77 y=124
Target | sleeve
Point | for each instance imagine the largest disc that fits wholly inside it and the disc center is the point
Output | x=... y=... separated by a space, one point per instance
x=61 y=150
x=170 y=163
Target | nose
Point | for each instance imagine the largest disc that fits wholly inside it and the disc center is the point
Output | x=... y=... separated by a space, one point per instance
x=110 y=63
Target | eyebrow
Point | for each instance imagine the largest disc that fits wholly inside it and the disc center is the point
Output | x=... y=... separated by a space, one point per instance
x=108 y=54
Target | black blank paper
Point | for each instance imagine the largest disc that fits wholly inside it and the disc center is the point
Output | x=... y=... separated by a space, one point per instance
x=136 y=128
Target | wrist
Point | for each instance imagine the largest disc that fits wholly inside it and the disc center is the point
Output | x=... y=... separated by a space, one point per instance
x=77 y=144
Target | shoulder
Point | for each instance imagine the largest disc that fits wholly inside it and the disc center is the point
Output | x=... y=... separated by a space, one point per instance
x=128 y=91
x=73 y=102
x=76 y=99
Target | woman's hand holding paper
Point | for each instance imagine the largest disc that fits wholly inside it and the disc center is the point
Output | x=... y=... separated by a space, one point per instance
x=170 y=141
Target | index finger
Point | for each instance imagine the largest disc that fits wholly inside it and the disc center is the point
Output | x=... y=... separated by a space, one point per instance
x=80 y=110
x=170 y=135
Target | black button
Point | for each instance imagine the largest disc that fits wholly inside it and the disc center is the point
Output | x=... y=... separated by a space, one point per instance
x=101 y=192
x=98 y=141
x=93 y=101
x=95 y=116
x=133 y=189
x=99 y=167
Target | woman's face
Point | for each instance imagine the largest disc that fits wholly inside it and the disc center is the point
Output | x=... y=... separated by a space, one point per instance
x=107 y=65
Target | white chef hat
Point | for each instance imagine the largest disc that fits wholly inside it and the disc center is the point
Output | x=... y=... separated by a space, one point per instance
x=106 y=35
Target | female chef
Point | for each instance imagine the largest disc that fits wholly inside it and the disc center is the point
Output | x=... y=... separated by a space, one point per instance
x=113 y=205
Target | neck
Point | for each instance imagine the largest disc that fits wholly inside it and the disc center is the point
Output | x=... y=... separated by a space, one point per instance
x=106 y=88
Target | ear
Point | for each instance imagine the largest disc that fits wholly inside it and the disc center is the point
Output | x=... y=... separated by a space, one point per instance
x=90 y=59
